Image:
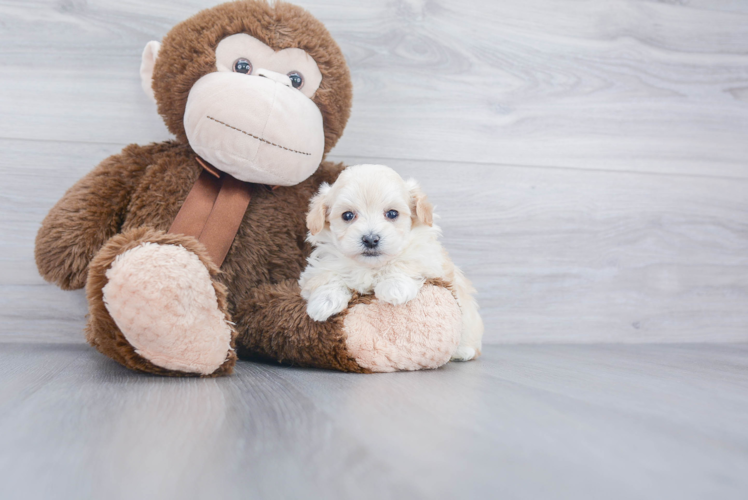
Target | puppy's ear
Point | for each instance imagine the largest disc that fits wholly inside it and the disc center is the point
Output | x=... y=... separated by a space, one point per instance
x=420 y=206
x=315 y=219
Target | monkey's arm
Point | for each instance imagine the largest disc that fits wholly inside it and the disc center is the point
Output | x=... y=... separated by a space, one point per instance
x=88 y=215
x=273 y=324
x=369 y=336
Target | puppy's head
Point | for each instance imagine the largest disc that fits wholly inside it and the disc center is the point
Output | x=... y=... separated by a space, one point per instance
x=369 y=211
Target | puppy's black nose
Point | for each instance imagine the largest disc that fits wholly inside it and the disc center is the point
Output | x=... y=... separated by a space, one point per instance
x=370 y=240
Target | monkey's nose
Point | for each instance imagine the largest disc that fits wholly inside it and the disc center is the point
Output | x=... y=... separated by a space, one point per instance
x=370 y=240
x=276 y=77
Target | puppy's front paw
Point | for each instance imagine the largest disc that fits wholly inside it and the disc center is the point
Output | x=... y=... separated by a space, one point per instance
x=326 y=301
x=397 y=291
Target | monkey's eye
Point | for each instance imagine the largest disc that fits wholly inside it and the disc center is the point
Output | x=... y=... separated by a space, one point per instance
x=242 y=65
x=296 y=79
x=392 y=214
x=348 y=216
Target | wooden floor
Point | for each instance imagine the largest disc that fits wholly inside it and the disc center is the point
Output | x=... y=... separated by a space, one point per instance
x=524 y=422
x=589 y=161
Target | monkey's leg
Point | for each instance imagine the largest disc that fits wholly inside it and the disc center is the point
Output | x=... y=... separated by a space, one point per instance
x=154 y=306
x=370 y=336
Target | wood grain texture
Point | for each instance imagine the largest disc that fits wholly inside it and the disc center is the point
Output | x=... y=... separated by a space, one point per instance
x=614 y=84
x=557 y=255
x=588 y=159
x=523 y=422
x=580 y=256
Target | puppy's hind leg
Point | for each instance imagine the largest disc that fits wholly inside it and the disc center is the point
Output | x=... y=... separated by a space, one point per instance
x=472 y=324
x=472 y=333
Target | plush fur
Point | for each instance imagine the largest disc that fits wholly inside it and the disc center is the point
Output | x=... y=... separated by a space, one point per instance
x=130 y=200
x=383 y=339
x=163 y=297
x=267 y=315
x=102 y=331
x=188 y=52
x=90 y=213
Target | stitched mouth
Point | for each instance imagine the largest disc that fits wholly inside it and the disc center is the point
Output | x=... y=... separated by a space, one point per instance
x=258 y=138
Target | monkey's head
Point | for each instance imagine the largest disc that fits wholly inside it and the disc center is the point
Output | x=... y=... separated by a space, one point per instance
x=260 y=91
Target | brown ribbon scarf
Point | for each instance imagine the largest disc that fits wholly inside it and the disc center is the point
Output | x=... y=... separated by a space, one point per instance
x=213 y=211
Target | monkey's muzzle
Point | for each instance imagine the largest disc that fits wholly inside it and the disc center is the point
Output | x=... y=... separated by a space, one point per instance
x=255 y=129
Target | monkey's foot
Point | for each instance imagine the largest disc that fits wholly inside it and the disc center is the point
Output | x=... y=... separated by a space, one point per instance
x=422 y=334
x=155 y=308
x=163 y=301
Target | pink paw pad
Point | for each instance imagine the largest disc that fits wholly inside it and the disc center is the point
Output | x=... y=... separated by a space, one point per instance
x=163 y=301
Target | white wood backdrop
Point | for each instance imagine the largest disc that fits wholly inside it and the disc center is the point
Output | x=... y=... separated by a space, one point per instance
x=589 y=158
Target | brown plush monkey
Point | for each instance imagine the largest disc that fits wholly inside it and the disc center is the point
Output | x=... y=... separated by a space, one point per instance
x=260 y=92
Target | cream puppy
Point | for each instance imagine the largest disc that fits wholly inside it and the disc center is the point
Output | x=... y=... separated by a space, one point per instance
x=374 y=232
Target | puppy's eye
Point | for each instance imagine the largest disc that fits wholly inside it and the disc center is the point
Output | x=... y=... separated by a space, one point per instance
x=348 y=216
x=242 y=65
x=392 y=214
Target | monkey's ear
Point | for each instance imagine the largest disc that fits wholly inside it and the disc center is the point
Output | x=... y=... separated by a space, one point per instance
x=315 y=219
x=421 y=207
x=148 y=61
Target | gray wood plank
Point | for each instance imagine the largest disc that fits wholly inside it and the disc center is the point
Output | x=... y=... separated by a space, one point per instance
x=580 y=256
x=557 y=255
x=35 y=176
x=522 y=422
x=618 y=85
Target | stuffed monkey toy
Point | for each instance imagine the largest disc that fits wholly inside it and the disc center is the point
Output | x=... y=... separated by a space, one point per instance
x=190 y=250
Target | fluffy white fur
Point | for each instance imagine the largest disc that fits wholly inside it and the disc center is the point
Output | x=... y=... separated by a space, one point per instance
x=407 y=254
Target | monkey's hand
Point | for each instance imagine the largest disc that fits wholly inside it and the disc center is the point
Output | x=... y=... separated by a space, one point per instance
x=88 y=215
x=369 y=335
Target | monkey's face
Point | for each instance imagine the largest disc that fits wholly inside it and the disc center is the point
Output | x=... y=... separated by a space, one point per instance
x=254 y=103
x=254 y=118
